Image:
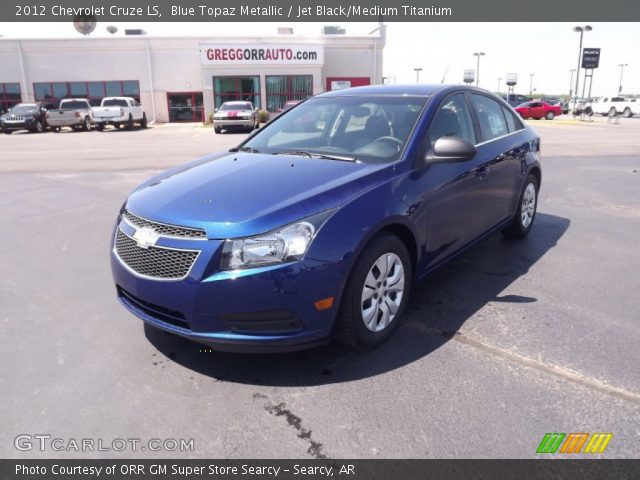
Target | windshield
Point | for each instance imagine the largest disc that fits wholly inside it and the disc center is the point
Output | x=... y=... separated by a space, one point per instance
x=23 y=108
x=369 y=129
x=236 y=106
x=73 y=105
x=114 y=102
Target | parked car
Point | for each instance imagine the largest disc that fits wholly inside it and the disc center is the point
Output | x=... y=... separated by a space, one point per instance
x=321 y=233
x=609 y=106
x=581 y=106
x=538 y=109
x=515 y=99
x=75 y=113
x=235 y=115
x=26 y=116
x=117 y=111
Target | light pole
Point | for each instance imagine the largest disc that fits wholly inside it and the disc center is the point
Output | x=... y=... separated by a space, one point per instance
x=531 y=75
x=417 y=70
x=478 y=54
x=573 y=70
x=581 y=29
x=499 y=80
x=622 y=65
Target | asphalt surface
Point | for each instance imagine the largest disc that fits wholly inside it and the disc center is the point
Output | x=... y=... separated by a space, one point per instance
x=512 y=340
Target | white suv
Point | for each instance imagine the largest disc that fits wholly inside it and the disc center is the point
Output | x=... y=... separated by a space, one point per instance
x=610 y=106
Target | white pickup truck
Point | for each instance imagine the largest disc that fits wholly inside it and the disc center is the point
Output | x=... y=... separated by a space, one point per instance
x=73 y=112
x=609 y=106
x=119 y=111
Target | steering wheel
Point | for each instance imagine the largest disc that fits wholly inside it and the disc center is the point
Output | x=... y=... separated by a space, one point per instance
x=392 y=140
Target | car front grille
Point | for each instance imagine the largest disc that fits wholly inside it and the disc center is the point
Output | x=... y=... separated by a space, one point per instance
x=154 y=262
x=163 y=229
x=14 y=119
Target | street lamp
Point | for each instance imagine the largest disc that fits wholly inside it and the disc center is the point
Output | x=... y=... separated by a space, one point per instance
x=499 y=80
x=581 y=29
x=478 y=54
x=622 y=65
x=417 y=70
x=531 y=75
x=573 y=70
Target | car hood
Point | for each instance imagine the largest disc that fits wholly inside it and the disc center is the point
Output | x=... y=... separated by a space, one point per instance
x=243 y=194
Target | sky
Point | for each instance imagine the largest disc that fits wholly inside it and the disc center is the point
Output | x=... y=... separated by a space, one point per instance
x=547 y=50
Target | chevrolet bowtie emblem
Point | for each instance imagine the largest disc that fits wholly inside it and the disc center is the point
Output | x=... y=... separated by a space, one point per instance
x=145 y=237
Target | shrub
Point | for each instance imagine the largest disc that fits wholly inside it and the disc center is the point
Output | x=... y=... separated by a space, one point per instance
x=263 y=116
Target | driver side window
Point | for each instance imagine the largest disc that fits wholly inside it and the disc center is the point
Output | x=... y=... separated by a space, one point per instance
x=452 y=120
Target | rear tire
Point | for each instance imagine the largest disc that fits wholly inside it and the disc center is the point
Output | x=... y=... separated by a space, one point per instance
x=526 y=212
x=87 y=124
x=627 y=113
x=55 y=129
x=550 y=115
x=366 y=317
x=143 y=123
x=7 y=132
x=217 y=130
x=612 y=112
x=39 y=127
x=99 y=127
x=129 y=123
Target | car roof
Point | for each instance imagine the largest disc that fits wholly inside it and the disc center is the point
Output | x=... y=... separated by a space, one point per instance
x=424 y=90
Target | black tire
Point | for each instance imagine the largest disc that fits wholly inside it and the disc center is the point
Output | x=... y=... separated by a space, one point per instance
x=116 y=126
x=143 y=122
x=129 y=124
x=7 y=132
x=627 y=113
x=39 y=128
x=612 y=112
x=517 y=227
x=55 y=129
x=99 y=127
x=86 y=126
x=550 y=115
x=217 y=129
x=350 y=327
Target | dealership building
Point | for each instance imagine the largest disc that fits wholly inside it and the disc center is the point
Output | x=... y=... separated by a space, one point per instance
x=186 y=78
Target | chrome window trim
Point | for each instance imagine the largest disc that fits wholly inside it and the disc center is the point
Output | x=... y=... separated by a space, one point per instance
x=147 y=277
x=499 y=138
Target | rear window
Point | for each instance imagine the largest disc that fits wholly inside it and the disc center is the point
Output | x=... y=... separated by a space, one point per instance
x=72 y=105
x=115 y=102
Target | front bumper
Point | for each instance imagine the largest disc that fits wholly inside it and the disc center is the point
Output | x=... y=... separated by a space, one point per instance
x=265 y=309
x=234 y=123
x=12 y=126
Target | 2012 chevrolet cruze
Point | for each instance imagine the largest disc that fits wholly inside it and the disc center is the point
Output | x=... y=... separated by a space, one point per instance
x=317 y=225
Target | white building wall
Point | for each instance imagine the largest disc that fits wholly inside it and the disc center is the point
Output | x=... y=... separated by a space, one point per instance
x=175 y=64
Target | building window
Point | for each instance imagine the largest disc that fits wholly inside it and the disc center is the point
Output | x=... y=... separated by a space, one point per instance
x=282 y=88
x=93 y=91
x=226 y=89
x=9 y=96
x=185 y=107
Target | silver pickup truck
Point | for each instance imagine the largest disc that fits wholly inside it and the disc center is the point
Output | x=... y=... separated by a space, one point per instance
x=73 y=112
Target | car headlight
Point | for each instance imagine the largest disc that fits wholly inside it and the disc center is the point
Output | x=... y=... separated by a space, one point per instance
x=286 y=244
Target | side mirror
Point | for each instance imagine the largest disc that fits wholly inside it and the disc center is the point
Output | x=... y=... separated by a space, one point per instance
x=215 y=110
x=451 y=149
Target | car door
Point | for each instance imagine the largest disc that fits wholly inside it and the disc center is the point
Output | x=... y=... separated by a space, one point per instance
x=452 y=211
x=537 y=110
x=499 y=157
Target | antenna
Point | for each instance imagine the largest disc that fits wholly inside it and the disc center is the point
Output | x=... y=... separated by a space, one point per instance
x=445 y=75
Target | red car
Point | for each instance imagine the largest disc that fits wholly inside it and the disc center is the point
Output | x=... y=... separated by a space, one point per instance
x=537 y=109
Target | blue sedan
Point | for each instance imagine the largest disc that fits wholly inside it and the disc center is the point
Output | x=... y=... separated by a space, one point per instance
x=317 y=225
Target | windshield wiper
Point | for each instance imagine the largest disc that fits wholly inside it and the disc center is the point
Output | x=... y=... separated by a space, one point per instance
x=325 y=156
x=244 y=149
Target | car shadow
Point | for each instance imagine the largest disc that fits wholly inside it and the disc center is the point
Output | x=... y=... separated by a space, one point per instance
x=439 y=306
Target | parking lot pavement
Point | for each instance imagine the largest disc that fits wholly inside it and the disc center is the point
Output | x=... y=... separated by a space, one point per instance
x=512 y=340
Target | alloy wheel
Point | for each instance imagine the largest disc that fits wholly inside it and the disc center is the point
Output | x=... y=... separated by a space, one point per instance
x=382 y=292
x=528 y=207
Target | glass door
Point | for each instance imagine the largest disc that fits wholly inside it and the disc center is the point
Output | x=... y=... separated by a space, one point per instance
x=185 y=107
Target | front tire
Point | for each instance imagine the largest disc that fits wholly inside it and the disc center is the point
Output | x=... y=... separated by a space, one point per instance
x=7 y=132
x=376 y=293
x=627 y=113
x=527 y=207
x=129 y=123
x=143 y=123
x=217 y=130
x=550 y=115
x=87 y=124
x=39 y=128
x=612 y=112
